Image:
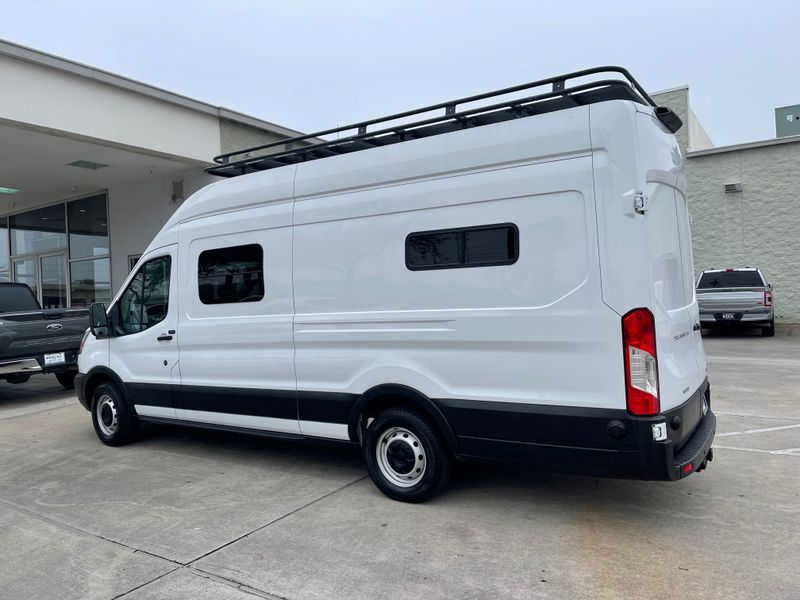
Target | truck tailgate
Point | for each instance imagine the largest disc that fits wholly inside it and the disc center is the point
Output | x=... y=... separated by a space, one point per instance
x=33 y=333
x=730 y=300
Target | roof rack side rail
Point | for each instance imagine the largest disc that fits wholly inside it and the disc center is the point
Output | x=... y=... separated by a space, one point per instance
x=305 y=147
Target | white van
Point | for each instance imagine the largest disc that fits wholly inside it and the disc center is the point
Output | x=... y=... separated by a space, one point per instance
x=505 y=281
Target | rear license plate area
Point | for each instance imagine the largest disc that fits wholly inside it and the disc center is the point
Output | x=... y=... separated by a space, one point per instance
x=54 y=358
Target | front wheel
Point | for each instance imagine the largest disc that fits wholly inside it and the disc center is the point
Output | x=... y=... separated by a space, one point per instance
x=67 y=379
x=406 y=457
x=113 y=421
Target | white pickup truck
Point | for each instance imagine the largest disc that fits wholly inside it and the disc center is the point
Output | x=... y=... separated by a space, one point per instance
x=728 y=297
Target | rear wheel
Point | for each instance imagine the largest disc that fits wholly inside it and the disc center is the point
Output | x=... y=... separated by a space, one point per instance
x=769 y=330
x=405 y=455
x=67 y=379
x=113 y=421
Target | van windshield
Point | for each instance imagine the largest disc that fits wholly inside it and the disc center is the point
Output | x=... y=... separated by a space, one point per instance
x=730 y=279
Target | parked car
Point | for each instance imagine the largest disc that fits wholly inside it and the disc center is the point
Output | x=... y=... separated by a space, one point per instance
x=729 y=297
x=496 y=285
x=33 y=340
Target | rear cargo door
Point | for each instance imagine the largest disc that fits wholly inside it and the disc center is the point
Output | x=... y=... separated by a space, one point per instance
x=685 y=230
x=672 y=295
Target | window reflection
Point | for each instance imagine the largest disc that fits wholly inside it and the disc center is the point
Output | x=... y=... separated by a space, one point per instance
x=38 y=230
x=4 y=257
x=88 y=227
x=90 y=282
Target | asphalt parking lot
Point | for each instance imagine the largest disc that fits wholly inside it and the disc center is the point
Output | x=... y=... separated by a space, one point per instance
x=186 y=514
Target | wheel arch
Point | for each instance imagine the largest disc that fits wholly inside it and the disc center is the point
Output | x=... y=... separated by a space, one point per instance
x=99 y=375
x=388 y=395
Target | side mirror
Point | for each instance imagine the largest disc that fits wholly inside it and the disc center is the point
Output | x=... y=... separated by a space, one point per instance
x=98 y=321
x=770 y=286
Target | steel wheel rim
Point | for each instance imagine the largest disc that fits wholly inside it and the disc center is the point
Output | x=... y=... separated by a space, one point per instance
x=107 y=418
x=401 y=457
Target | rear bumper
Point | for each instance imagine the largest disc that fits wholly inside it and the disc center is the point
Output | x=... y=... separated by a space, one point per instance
x=598 y=442
x=35 y=364
x=664 y=462
x=713 y=318
x=20 y=365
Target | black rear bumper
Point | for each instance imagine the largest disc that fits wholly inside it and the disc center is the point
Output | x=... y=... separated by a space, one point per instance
x=599 y=442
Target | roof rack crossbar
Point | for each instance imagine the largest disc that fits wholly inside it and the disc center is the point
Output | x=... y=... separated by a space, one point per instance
x=299 y=148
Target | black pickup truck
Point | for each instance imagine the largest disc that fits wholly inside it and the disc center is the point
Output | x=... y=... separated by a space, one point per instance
x=33 y=340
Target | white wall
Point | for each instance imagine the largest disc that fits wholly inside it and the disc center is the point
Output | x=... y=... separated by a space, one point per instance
x=138 y=210
x=83 y=108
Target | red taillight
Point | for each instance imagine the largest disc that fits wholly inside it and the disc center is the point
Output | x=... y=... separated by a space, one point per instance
x=641 y=362
x=767 y=298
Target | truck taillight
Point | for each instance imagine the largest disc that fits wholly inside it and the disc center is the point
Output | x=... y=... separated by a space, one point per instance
x=641 y=362
x=767 y=298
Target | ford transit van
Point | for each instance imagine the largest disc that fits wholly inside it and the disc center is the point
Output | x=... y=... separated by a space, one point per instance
x=506 y=276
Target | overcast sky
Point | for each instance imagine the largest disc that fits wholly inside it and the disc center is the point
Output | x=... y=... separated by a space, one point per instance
x=310 y=65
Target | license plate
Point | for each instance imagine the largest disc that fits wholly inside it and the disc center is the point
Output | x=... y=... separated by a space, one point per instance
x=56 y=358
x=728 y=316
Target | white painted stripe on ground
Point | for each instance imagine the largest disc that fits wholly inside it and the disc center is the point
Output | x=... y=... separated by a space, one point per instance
x=789 y=362
x=37 y=408
x=764 y=430
x=767 y=417
x=786 y=452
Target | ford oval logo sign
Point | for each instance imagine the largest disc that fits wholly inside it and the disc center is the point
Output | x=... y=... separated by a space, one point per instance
x=54 y=327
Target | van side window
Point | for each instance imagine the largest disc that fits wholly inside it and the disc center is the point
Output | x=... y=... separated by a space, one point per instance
x=145 y=301
x=482 y=246
x=235 y=274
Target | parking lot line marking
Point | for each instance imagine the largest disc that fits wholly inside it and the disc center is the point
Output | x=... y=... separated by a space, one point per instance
x=770 y=418
x=789 y=362
x=764 y=430
x=36 y=408
x=786 y=452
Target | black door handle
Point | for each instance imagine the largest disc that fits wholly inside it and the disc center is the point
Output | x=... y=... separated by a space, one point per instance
x=696 y=327
x=164 y=338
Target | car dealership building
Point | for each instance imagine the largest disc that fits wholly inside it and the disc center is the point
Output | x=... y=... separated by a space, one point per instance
x=92 y=164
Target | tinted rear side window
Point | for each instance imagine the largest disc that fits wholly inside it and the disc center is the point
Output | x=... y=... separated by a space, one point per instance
x=17 y=298
x=227 y=275
x=483 y=246
x=730 y=279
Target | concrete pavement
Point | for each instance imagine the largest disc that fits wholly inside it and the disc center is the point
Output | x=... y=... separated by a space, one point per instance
x=193 y=514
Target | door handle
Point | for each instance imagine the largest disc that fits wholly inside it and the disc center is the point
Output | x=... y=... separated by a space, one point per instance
x=164 y=337
x=696 y=327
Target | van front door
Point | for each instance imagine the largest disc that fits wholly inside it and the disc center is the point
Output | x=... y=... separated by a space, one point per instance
x=144 y=349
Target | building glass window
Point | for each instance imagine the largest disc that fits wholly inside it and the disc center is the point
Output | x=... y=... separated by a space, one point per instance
x=88 y=227
x=482 y=246
x=4 y=250
x=90 y=282
x=40 y=230
x=234 y=274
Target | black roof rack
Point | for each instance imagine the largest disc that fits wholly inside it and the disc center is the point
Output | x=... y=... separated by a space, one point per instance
x=313 y=146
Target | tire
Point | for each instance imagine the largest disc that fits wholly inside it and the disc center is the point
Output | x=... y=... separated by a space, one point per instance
x=406 y=457
x=769 y=330
x=67 y=379
x=113 y=421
